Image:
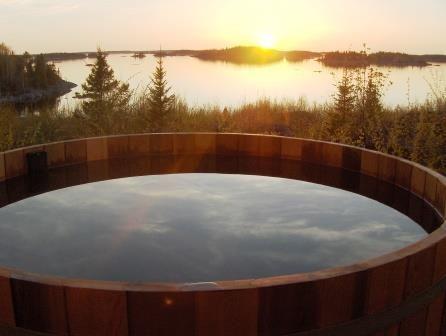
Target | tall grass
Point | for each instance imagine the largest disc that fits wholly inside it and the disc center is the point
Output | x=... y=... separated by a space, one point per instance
x=416 y=132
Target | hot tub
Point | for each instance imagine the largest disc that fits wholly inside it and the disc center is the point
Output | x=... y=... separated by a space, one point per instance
x=310 y=242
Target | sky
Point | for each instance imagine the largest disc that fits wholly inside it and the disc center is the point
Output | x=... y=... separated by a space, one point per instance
x=413 y=26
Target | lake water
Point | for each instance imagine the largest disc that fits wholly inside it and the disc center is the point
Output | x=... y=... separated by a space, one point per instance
x=216 y=83
x=196 y=227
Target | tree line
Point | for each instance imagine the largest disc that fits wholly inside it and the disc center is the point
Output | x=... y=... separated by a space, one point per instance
x=395 y=59
x=252 y=55
x=20 y=73
x=356 y=115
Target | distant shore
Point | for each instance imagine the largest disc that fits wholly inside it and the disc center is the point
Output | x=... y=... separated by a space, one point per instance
x=257 y=55
x=35 y=95
x=390 y=59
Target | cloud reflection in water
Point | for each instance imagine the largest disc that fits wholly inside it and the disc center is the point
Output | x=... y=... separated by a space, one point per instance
x=197 y=227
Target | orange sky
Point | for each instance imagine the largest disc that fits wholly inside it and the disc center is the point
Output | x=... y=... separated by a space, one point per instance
x=79 y=25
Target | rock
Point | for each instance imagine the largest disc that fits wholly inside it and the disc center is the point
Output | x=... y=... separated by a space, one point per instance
x=35 y=95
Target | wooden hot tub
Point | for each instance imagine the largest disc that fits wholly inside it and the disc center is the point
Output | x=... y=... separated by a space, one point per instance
x=401 y=293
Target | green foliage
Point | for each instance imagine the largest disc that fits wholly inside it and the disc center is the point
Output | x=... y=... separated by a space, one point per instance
x=244 y=55
x=417 y=133
x=19 y=74
x=8 y=136
x=430 y=140
x=105 y=99
x=43 y=127
x=370 y=84
x=338 y=121
x=354 y=59
x=356 y=116
x=40 y=71
x=403 y=132
x=159 y=103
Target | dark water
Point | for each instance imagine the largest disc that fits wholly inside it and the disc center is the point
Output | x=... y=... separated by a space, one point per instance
x=195 y=227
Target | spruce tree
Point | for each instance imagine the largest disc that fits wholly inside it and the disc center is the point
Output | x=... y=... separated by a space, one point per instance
x=104 y=97
x=374 y=130
x=339 y=119
x=40 y=72
x=345 y=96
x=19 y=73
x=160 y=102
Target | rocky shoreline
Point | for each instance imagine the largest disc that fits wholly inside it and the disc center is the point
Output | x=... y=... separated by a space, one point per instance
x=35 y=95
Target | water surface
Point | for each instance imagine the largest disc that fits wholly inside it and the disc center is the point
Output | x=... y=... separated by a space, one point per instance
x=197 y=227
x=224 y=84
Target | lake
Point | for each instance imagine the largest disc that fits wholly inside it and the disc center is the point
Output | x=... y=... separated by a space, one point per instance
x=224 y=84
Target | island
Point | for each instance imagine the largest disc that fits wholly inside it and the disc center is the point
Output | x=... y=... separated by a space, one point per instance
x=254 y=55
x=139 y=55
x=243 y=55
x=339 y=59
x=29 y=78
x=59 y=57
x=258 y=55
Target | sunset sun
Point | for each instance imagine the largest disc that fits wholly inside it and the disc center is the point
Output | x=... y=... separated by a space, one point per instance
x=266 y=41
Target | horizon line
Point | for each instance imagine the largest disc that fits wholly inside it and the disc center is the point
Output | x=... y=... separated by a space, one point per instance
x=238 y=46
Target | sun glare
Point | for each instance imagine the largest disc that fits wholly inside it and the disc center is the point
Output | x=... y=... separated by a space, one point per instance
x=266 y=41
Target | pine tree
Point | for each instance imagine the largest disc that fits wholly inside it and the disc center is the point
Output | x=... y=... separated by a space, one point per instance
x=104 y=97
x=160 y=102
x=40 y=72
x=345 y=96
x=7 y=70
x=374 y=127
x=336 y=125
x=29 y=69
x=19 y=73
